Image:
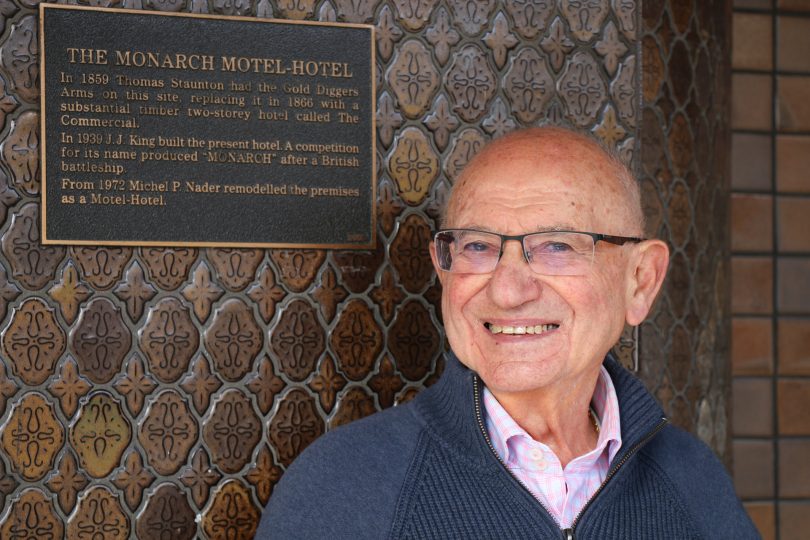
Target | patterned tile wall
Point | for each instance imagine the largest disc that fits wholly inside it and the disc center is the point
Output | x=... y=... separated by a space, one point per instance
x=145 y=381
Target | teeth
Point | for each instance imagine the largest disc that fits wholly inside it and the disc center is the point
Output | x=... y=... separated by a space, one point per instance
x=521 y=330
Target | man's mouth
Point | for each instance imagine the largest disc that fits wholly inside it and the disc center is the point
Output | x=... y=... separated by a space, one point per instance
x=520 y=330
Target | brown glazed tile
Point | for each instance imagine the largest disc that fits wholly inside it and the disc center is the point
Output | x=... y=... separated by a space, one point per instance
x=793 y=43
x=235 y=267
x=301 y=9
x=327 y=382
x=529 y=87
x=752 y=407
x=792 y=103
x=356 y=340
x=410 y=254
x=753 y=468
x=167 y=515
x=386 y=383
x=169 y=339
x=557 y=44
x=753 y=4
x=98 y=515
x=298 y=267
x=680 y=72
x=751 y=101
x=585 y=20
x=202 y=292
x=167 y=432
x=764 y=517
x=794 y=520
x=793 y=285
x=793 y=5
x=329 y=293
x=32 y=264
x=266 y=293
x=32 y=436
x=100 y=340
x=295 y=425
x=500 y=40
x=232 y=431
x=8 y=103
x=264 y=475
x=21 y=153
x=7 y=388
x=752 y=346
x=388 y=35
x=100 y=434
x=465 y=146
x=793 y=402
x=168 y=267
x=471 y=18
x=793 y=216
x=794 y=468
x=233 y=339
x=132 y=479
x=67 y=481
x=69 y=293
x=102 y=267
x=355 y=404
x=470 y=82
x=7 y=483
x=751 y=222
x=752 y=41
x=135 y=384
x=265 y=384
x=69 y=387
x=751 y=285
x=792 y=163
x=200 y=384
x=232 y=513
x=413 y=165
x=794 y=346
x=298 y=340
x=199 y=477
x=358 y=268
x=32 y=516
x=751 y=161
x=582 y=89
x=135 y=291
x=413 y=15
x=413 y=78
x=8 y=291
x=530 y=19
x=413 y=340
x=387 y=295
x=389 y=206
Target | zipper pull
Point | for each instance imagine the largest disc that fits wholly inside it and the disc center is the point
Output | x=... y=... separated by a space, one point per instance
x=569 y=534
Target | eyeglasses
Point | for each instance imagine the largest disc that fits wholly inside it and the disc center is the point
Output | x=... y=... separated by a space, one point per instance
x=550 y=253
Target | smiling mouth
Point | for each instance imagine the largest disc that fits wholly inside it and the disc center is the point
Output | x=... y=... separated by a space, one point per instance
x=520 y=330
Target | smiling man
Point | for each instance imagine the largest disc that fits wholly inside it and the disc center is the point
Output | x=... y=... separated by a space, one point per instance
x=534 y=430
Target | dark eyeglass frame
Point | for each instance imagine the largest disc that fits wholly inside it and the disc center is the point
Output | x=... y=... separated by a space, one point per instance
x=597 y=237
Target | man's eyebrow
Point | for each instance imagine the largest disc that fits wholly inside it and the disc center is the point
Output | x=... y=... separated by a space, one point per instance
x=543 y=228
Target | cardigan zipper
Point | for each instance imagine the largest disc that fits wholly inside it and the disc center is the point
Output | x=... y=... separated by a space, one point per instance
x=568 y=534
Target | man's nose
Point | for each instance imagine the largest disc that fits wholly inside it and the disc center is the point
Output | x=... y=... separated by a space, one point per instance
x=513 y=282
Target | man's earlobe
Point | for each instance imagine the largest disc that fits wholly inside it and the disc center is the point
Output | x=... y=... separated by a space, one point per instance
x=647 y=273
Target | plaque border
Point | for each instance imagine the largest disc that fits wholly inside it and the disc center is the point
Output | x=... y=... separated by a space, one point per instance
x=371 y=244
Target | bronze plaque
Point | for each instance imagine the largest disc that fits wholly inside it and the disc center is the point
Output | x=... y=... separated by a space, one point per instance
x=170 y=129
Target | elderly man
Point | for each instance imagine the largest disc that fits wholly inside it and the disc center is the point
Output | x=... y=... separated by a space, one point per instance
x=533 y=430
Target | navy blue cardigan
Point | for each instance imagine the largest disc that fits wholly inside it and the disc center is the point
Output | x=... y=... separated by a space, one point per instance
x=426 y=470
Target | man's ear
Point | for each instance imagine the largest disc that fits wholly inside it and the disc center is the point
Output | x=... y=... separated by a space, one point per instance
x=439 y=271
x=646 y=274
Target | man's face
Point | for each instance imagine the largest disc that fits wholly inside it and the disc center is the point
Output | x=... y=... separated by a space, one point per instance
x=519 y=190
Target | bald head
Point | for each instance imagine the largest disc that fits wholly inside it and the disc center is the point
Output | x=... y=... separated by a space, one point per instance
x=561 y=157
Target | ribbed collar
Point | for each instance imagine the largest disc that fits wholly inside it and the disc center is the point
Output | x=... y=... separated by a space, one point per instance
x=449 y=409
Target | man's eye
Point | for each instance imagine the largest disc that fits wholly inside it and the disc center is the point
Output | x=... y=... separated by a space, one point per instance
x=554 y=247
x=477 y=247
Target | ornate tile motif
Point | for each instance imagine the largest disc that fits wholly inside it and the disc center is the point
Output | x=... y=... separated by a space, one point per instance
x=7 y=389
x=295 y=425
x=387 y=295
x=557 y=44
x=100 y=434
x=355 y=404
x=356 y=11
x=32 y=264
x=167 y=432
x=410 y=255
x=169 y=339
x=500 y=39
x=585 y=18
x=168 y=267
x=100 y=340
x=33 y=341
x=329 y=293
x=135 y=291
x=232 y=513
x=102 y=267
x=442 y=36
x=8 y=291
x=582 y=88
x=414 y=14
x=471 y=17
x=386 y=383
x=266 y=385
x=356 y=340
x=471 y=83
x=32 y=517
x=20 y=55
x=232 y=431
x=202 y=292
x=69 y=387
x=413 y=78
x=21 y=152
x=327 y=382
x=233 y=339
x=298 y=340
x=266 y=293
x=235 y=267
x=413 y=341
x=466 y=144
x=441 y=121
x=622 y=90
x=298 y=267
x=388 y=119
x=530 y=86
x=98 y=515
x=413 y=165
x=69 y=293
x=199 y=477
x=132 y=479
x=530 y=16
x=388 y=34
x=67 y=481
x=166 y=515
x=264 y=474
x=32 y=436
x=200 y=384
x=358 y=268
x=135 y=385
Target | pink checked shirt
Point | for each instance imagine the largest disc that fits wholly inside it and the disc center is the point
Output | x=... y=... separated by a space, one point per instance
x=563 y=492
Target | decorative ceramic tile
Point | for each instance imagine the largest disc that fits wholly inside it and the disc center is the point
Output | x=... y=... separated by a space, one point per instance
x=67 y=481
x=135 y=291
x=69 y=293
x=32 y=264
x=166 y=515
x=295 y=425
x=19 y=55
x=298 y=340
x=200 y=384
x=266 y=293
x=32 y=517
x=413 y=78
x=135 y=384
x=356 y=403
x=232 y=431
x=167 y=432
x=232 y=513
x=100 y=434
x=169 y=339
x=266 y=385
x=102 y=266
x=168 y=267
x=413 y=166
x=199 y=477
x=298 y=267
x=33 y=341
x=531 y=16
x=264 y=474
x=132 y=479
x=98 y=515
x=235 y=268
x=100 y=340
x=202 y=292
x=410 y=255
x=69 y=387
x=329 y=293
x=471 y=83
x=413 y=341
x=356 y=340
x=327 y=382
x=32 y=436
x=233 y=339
